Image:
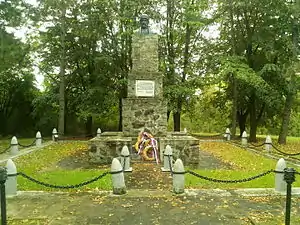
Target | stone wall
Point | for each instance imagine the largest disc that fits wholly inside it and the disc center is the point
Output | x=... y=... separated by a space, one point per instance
x=139 y=113
x=103 y=149
x=145 y=53
x=184 y=147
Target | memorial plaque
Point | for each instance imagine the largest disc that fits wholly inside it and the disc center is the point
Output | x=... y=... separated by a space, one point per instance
x=144 y=88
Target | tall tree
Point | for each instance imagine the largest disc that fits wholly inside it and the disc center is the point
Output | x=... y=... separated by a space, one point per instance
x=292 y=85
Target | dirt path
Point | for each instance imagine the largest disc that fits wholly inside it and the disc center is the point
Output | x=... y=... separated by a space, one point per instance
x=148 y=175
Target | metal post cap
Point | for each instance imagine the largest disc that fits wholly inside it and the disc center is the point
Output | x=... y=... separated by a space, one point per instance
x=289 y=175
x=3 y=174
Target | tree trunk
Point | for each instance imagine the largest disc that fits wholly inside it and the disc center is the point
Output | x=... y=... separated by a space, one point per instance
x=168 y=115
x=176 y=118
x=234 y=80
x=253 y=121
x=89 y=126
x=234 y=106
x=120 y=128
x=286 y=119
x=290 y=96
x=61 y=123
x=242 y=118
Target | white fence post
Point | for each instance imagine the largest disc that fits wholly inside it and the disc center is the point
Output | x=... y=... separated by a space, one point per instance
x=11 y=182
x=117 y=177
x=268 y=143
x=168 y=158
x=178 y=177
x=244 y=139
x=38 y=139
x=280 y=184
x=227 y=132
x=99 y=132
x=14 y=146
x=54 y=134
x=125 y=159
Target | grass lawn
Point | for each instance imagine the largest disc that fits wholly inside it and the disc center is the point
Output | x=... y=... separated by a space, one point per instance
x=244 y=164
x=42 y=165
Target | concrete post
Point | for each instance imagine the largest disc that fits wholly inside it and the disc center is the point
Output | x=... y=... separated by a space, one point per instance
x=54 y=135
x=14 y=146
x=11 y=182
x=168 y=158
x=125 y=159
x=280 y=184
x=117 y=177
x=268 y=143
x=228 y=134
x=99 y=132
x=38 y=139
x=178 y=177
x=244 y=139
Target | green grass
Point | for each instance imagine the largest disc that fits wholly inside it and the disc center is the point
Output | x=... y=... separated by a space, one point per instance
x=42 y=165
x=244 y=164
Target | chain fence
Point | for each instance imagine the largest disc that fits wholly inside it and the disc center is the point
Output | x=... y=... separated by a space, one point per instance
x=5 y=150
x=271 y=144
x=27 y=146
x=80 y=137
x=60 y=186
x=21 y=145
x=231 y=181
x=284 y=153
x=257 y=146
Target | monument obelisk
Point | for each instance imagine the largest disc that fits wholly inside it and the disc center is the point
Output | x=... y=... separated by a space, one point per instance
x=144 y=107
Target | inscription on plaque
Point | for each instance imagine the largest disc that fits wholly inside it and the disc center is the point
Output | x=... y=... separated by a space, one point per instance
x=144 y=88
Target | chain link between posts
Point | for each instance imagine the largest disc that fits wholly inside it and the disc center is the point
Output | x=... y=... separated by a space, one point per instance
x=230 y=181
x=60 y=186
x=27 y=146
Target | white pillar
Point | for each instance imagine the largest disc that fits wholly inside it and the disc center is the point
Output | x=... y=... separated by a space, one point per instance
x=54 y=134
x=227 y=132
x=168 y=158
x=125 y=159
x=268 y=143
x=178 y=177
x=11 y=182
x=99 y=132
x=244 y=139
x=117 y=177
x=280 y=184
x=38 y=139
x=185 y=130
x=14 y=146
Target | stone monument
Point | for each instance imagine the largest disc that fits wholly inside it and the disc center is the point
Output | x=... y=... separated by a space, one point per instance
x=144 y=107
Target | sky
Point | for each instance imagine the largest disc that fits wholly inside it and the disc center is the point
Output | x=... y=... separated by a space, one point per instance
x=23 y=32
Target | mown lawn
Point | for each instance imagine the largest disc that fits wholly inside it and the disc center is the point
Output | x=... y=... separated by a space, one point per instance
x=42 y=165
x=244 y=164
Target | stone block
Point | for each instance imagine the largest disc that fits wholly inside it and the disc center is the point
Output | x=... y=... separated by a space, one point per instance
x=184 y=147
x=140 y=113
x=103 y=149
